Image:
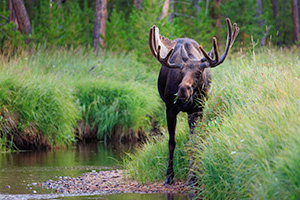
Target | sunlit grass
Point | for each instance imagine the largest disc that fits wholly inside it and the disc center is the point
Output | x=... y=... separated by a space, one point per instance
x=105 y=92
x=250 y=128
x=149 y=164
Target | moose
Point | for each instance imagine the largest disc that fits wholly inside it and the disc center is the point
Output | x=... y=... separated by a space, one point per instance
x=184 y=80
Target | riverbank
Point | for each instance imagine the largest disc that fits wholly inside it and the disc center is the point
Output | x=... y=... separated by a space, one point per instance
x=109 y=182
x=55 y=101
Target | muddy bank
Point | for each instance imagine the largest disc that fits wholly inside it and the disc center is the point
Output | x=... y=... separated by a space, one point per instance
x=109 y=182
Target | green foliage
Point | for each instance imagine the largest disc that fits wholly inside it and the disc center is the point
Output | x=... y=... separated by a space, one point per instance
x=252 y=128
x=247 y=145
x=191 y=24
x=10 y=39
x=149 y=164
x=107 y=104
x=131 y=34
x=52 y=90
x=71 y=25
x=68 y=25
x=242 y=12
x=48 y=108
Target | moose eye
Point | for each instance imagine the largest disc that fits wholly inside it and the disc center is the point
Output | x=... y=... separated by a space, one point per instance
x=198 y=74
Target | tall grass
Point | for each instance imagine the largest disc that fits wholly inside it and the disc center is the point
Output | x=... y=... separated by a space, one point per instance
x=252 y=124
x=54 y=89
x=109 y=104
x=247 y=145
x=149 y=163
x=36 y=105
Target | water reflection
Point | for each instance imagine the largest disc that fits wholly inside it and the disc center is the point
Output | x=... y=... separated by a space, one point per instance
x=21 y=173
x=128 y=196
x=19 y=170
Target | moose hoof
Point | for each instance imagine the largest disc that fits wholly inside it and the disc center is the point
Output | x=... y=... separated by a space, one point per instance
x=169 y=180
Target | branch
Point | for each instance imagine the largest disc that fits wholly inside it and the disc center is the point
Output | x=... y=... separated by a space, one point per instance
x=183 y=2
x=5 y=34
x=4 y=17
x=184 y=15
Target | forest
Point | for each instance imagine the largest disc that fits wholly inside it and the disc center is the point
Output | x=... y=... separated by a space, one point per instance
x=123 y=25
x=81 y=70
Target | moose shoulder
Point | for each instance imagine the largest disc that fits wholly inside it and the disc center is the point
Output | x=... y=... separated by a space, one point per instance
x=185 y=80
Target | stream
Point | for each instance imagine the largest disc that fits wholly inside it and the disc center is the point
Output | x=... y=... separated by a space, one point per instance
x=21 y=173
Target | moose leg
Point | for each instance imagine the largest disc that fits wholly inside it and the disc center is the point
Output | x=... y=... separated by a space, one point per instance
x=192 y=120
x=171 y=120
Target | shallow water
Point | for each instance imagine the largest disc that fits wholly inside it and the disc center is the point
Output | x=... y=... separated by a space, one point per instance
x=22 y=172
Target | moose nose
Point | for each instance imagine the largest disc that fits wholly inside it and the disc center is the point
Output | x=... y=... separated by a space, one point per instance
x=184 y=93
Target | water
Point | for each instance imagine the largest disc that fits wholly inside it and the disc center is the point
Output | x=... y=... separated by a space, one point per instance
x=22 y=172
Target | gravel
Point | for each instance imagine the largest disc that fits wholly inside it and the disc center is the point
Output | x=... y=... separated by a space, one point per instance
x=109 y=182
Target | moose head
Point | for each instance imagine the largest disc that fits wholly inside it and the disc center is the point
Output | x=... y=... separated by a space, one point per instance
x=185 y=79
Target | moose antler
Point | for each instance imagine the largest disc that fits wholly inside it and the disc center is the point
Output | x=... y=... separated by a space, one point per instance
x=230 y=39
x=161 y=47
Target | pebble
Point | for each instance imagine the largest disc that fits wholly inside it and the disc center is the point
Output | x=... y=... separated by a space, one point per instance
x=107 y=182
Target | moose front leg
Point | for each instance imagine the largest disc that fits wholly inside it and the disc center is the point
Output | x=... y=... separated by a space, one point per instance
x=171 y=120
x=192 y=120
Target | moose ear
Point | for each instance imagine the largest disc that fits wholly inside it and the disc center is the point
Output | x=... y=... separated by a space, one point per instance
x=183 y=53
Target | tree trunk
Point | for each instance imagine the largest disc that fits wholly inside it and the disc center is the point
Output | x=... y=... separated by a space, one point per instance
x=100 y=24
x=165 y=10
x=259 y=12
x=216 y=13
x=261 y=23
x=138 y=4
x=172 y=12
x=275 y=16
x=12 y=15
x=263 y=39
x=23 y=22
x=296 y=21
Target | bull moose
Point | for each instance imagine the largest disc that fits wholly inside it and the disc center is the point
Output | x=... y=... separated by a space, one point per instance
x=185 y=80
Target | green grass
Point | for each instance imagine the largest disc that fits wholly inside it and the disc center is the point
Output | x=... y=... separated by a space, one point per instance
x=35 y=105
x=54 y=90
x=250 y=128
x=107 y=104
x=252 y=125
x=149 y=163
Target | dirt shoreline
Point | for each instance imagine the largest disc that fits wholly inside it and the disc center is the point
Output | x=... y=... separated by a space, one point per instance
x=109 y=182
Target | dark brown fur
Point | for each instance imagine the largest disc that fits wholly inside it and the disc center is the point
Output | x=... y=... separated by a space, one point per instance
x=185 y=80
